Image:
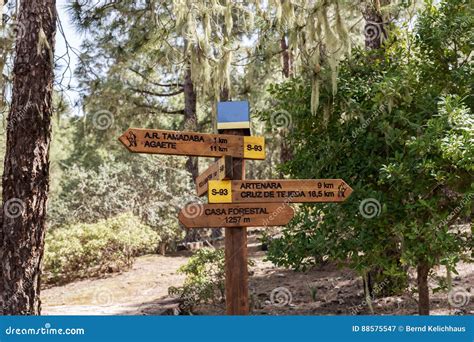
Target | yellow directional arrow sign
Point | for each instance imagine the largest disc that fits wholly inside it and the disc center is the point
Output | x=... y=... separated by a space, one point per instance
x=291 y=191
x=141 y=140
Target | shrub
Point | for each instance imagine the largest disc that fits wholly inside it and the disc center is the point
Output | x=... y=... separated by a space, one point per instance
x=154 y=188
x=400 y=132
x=84 y=250
x=205 y=279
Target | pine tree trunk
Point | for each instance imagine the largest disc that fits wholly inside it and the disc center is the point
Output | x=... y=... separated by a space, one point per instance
x=190 y=118
x=374 y=30
x=26 y=166
x=423 y=289
x=285 y=56
x=190 y=124
x=286 y=153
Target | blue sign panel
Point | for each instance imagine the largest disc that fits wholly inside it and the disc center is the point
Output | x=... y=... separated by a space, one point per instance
x=233 y=115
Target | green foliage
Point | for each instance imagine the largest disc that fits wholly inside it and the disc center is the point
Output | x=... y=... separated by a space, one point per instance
x=84 y=250
x=154 y=188
x=400 y=132
x=205 y=279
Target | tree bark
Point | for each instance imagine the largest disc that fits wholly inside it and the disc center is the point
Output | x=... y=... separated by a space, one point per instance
x=285 y=57
x=190 y=124
x=423 y=289
x=374 y=30
x=26 y=167
x=286 y=153
x=190 y=118
x=224 y=95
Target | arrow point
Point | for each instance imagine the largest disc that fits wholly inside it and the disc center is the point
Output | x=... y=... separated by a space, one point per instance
x=180 y=217
x=349 y=189
x=128 y=139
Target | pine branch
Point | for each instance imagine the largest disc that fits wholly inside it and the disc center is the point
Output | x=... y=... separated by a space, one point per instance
x=153 y=82
x=158 y=109
x=150 y=92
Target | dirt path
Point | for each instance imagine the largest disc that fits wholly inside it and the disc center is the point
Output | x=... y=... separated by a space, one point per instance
x=128 y=293
x=326 y=290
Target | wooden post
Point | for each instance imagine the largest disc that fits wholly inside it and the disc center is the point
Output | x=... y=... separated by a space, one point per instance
x=236 y=272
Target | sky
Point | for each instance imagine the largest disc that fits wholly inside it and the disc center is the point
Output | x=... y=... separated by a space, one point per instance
x=74 y=38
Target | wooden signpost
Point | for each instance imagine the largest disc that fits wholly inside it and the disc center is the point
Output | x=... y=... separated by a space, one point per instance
x=240 y=203
x=156 y=141
x=219 y=170
x=278 y=190
x=196 y=215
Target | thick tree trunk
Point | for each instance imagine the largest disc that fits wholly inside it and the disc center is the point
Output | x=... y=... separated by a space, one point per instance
x=374 y=30
x=423 y=289
x=286 y=153
x=190 y=118
x=285 y=57
x=26 y=166
x=190 y=124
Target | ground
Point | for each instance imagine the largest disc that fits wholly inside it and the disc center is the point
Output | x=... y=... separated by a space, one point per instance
x=327 y=290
